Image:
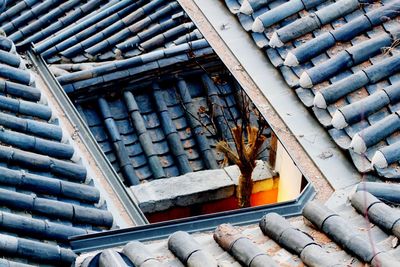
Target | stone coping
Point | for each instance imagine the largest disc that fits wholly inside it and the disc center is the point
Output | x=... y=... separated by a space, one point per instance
x=193 y=188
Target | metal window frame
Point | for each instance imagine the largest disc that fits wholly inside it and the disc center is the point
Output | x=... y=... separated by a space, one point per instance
x=162 y=230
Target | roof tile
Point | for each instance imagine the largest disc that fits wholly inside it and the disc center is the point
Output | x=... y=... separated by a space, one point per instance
x=355 y=38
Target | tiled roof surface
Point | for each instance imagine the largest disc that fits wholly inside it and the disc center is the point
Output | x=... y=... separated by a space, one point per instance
x=46 y=194
x=342 y=61
x=146 y=133
x=165 y=129
x=93 y=44
x=171 y=59
x=96 y=30
x=334 y=234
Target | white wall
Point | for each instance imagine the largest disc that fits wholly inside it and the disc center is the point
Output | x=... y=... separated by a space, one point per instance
x=289 y=175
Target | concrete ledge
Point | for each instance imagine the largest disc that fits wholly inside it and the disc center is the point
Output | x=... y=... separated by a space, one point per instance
x=261 y=172
x=184 y=190
x=193 y=188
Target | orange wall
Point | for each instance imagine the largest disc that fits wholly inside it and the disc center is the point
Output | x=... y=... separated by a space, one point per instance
x=257 y=199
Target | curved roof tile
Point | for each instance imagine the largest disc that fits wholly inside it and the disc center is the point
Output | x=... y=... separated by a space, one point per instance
x=323 y=236
x=147 y=133
x=341 y=59
x=45 y=192
x=83 y=31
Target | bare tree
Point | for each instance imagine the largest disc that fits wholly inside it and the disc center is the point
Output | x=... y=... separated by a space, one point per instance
x=247 y=151
x=248 y=139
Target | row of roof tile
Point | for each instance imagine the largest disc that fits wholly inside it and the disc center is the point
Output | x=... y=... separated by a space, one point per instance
x=90 y=30
x=139 y=37
x=165 y=129
x=277 y=242
x=46 y=194
x=341 y=59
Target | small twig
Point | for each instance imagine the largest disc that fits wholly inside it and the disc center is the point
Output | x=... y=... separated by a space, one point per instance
x=197 y=119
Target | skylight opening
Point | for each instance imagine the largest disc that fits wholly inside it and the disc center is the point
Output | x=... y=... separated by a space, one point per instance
x=161 y=137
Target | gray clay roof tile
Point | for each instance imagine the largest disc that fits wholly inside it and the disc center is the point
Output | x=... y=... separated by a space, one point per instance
x=46 y=194
x=334 y=234
x=342 y=69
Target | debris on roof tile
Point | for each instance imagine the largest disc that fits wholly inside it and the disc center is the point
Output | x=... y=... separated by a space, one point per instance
x=241 y=247
x=368 y=204
x=346 y=236
x=46 y=195
x=189 y=251
x=140 y=256
x=296 y=241
x=347 y=69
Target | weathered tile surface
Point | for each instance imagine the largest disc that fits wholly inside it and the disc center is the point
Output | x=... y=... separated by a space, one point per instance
x=46 y=194
x=334 y=234
x=342 y=58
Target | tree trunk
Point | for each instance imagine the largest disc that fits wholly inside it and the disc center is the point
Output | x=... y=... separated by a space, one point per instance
x=245 y=189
